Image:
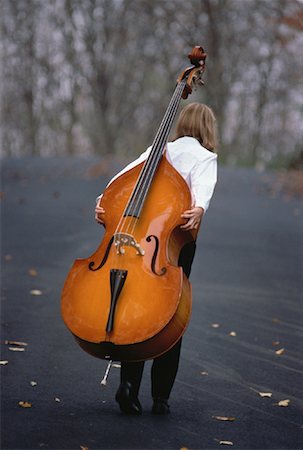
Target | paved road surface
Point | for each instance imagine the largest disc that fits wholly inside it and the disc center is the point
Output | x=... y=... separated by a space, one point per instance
x=246 y=279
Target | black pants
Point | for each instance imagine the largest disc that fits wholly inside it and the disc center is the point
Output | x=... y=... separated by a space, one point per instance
x=165 y=367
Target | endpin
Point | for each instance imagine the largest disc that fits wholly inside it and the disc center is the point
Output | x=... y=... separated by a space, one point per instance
x=110 y=364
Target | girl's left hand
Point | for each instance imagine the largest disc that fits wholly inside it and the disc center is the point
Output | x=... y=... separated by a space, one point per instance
x=99 y=210
x=194 y=217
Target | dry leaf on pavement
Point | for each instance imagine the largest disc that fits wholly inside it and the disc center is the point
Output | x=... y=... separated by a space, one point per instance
x=283 y=403
x=33 y=383
x=233 y=333
x=16 y=349
x=280 y=352
x=36 y=292
x=265 y=394
x=25 y=404
x=223 y=418
x=32 y=272
x=224 y=442
x=215 y=325
x=22 y=344
x=83 y=448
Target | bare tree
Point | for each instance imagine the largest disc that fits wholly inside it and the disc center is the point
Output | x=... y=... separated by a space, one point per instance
x=95 y=76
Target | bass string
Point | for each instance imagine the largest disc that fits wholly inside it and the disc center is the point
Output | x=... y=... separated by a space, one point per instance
x=150 y=160
x=149 y=163
x=156 y=147
x=145 y=184
x=160 y=144
x=136 y=187
x=154 y=159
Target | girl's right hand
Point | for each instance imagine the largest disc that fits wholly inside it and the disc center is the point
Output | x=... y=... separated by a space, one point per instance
x=99 y=210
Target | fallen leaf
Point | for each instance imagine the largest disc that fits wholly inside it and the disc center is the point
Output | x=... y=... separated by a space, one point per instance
x=33 y=383
x=280 y=352
x=265 y=394
x=204 y=373
x=57 y=399
x=32 y=272
x=223 y=418
x=83 y=448
x=215 y=325
x=8 y=257
x=36 y=292
x=183 y=448
x=3 y=363
x=233 y=333
x=283 y=403
x=275 y=342
x=25 y=404
x=224 y=442
x=16 y=349
x=18 y=343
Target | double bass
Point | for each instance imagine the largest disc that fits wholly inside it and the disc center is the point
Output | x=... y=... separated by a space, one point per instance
x=130 y=301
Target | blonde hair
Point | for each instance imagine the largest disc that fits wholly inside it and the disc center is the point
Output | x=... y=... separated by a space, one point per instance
x=198 y=120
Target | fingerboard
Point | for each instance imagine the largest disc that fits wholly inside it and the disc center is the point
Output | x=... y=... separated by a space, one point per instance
x=140 y=191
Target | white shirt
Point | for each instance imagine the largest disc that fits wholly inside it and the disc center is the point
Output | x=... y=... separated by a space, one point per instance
x=196 y=164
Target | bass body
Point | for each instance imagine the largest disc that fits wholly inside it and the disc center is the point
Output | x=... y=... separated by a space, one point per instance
x=130 y=301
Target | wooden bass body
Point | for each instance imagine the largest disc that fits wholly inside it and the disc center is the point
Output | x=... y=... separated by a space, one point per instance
x=128 y=305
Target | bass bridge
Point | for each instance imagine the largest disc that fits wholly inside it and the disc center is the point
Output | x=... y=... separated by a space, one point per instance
x=122 y=240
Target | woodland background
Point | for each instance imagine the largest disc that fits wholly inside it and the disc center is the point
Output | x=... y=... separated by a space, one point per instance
x=94 y=77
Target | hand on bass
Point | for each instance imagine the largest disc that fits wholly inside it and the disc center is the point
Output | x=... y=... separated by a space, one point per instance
x=98 y=211
x=194 y=217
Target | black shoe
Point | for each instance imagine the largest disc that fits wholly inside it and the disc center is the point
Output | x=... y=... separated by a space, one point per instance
x=160 y=406
x=128 y=402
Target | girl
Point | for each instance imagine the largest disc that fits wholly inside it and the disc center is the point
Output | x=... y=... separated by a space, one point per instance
x=192 y=155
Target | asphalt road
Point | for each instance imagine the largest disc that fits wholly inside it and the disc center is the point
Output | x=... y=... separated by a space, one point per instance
x=246 y=307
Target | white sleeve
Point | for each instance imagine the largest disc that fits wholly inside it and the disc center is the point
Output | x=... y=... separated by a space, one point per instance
x=137 y=161
x=203 y=181
x=98 y=198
